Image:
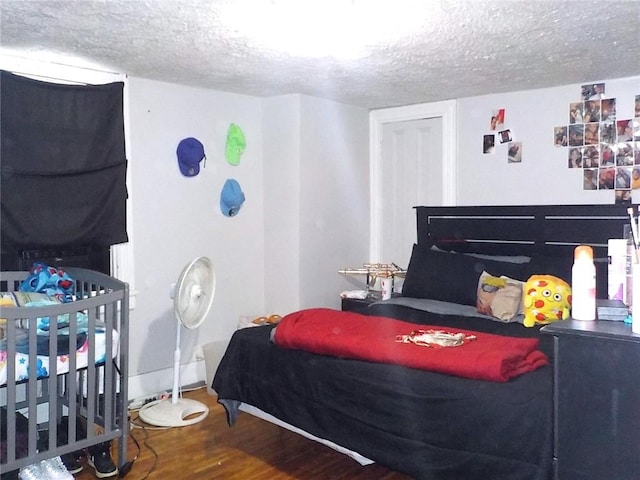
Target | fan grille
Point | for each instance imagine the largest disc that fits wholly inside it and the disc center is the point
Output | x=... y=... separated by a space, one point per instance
x=194 y=292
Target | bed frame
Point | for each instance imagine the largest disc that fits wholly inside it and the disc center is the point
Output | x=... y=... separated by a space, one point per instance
x=548 y=230
x=96 y=393
x=551 y=231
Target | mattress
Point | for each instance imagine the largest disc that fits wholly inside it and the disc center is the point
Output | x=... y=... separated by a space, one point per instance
x=424 y=424
x=256 y=412
x=62 y=361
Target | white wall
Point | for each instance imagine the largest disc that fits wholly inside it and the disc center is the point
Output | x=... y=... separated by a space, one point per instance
x=176 y=218
x=543 y=176
x=305 y=176
x=334 y=198
x=281 y=150
x=316 y=199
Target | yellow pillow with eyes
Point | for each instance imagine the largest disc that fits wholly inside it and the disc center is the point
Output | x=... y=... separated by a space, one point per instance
x=546 y=299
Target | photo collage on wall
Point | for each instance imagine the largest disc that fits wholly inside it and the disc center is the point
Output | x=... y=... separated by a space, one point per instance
x=502 y=136
x=603 y=145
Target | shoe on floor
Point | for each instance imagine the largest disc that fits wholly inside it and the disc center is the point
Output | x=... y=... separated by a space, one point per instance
x=31 y=472
x=100 y=460
x=54 y=469
x=72 y=462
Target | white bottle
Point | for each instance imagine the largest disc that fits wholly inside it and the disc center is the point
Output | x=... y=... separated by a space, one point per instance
x=617 y=269
x=386 y=286
x=583 y=284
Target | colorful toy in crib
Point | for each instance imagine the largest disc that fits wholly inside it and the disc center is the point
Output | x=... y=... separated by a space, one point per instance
x=50 y=280
x=546 y=299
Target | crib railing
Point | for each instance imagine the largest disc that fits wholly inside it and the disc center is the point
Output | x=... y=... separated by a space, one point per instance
x=95 y=393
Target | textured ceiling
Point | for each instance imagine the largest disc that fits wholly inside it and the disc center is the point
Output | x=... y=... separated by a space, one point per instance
x=461 y=47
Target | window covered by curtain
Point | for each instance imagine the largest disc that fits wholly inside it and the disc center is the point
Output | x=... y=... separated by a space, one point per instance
x=63 y=164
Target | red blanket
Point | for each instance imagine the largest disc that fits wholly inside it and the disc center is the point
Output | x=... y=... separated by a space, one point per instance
x=378 y=339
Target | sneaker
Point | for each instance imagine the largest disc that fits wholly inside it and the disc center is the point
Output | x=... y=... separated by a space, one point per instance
x=54 y=469
x=72 y=462
x=100 y=460
x=31 y=472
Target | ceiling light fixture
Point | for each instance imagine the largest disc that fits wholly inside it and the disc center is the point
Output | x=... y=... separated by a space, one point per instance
x=340 y=29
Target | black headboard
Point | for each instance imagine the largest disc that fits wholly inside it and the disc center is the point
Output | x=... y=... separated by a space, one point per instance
x=550 y=230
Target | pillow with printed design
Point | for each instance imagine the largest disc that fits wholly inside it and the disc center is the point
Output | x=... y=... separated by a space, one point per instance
x=499 y=297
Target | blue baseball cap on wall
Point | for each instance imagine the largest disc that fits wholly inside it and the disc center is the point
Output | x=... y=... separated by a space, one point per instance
x=231 y=198
x=190 y=153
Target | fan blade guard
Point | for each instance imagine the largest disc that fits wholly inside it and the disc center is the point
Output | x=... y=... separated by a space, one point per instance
x=195 y=290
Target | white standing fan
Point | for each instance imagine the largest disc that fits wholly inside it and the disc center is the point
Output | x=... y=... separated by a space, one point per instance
x=192 y=300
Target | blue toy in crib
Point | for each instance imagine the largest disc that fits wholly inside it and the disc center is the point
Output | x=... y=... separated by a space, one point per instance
x=52 y=281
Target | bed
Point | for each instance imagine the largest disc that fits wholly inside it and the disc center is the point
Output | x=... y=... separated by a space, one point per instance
x=427 y=424
x=74 y=367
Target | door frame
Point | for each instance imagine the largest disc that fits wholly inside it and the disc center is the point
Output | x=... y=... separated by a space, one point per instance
x=446 y=110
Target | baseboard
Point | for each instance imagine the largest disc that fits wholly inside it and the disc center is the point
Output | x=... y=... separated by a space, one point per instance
x=162 y=380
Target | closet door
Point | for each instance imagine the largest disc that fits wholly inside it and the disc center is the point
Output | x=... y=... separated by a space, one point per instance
x=412 y=175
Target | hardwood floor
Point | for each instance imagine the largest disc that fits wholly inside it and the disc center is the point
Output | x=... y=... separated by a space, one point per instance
x=252 y=450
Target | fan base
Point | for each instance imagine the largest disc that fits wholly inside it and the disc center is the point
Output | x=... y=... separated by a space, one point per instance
x=166 y=413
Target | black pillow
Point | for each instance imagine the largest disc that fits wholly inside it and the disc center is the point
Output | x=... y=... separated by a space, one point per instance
x=453 y=277
x=561 y=267
x=557 y=266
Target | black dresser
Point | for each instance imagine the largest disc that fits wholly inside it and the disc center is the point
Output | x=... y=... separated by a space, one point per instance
x=596 y=400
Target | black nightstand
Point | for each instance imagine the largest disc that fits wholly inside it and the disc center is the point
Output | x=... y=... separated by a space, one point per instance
x=357 y=305
x=360 y=305
x=596 y=400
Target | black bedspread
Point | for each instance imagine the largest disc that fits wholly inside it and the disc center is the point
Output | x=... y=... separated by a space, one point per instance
x=424 y=424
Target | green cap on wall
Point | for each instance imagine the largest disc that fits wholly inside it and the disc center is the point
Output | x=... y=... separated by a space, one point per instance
x=235 y=144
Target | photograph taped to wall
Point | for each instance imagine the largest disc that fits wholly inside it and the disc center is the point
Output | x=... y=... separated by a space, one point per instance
x=592 y=91
x=591 y=157
x=497 y=119
x=576 y=135
x=488 y=144
x=606 y=178
x=591 y=133
x=575 y=158
x=624 y=130
x=623 y=196
x=607 y=132
x=515 y=152
x=505 y=136
x=575 y=112
x=560 y=136
x=590 y=179
x=637 y=107
x=607 y=156
x=591 y=111
x=635 y=178
x=623 y=178
x=636 y=129
x=608 y=110
x=624 y=154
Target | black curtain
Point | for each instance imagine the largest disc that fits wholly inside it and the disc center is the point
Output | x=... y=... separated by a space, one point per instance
x=63 y=164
